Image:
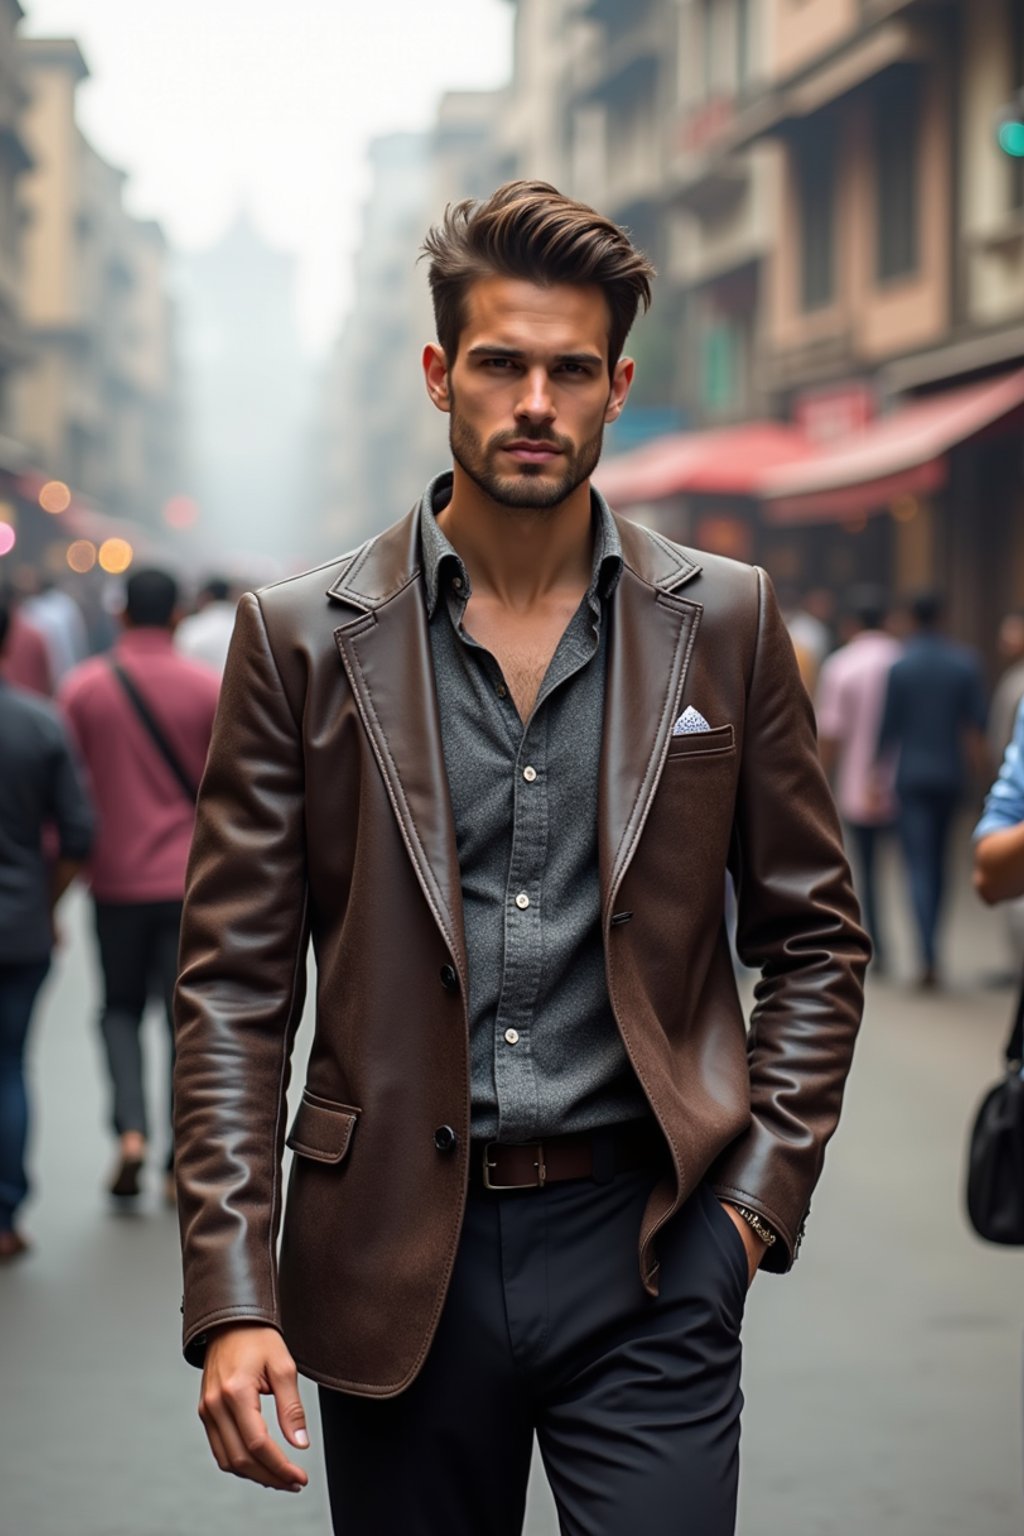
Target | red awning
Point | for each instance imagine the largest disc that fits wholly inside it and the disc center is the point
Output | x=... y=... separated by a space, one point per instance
x=726 y=461
x=897 y=455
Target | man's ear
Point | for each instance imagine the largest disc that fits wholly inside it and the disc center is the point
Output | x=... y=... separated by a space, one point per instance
x=622 y=379
x=435 y=374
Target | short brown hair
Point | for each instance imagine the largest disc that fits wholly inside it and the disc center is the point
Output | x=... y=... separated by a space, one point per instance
x=529 y=230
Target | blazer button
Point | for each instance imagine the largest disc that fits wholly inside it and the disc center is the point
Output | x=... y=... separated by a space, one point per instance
x=445 y=1139
x=449 y=978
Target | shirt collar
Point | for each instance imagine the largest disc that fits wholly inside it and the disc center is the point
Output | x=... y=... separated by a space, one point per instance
x=438 y=552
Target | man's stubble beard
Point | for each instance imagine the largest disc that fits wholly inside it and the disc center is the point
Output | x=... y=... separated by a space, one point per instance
x=525 y=492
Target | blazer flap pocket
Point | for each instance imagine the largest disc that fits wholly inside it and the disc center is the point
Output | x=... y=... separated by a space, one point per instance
x=322 y=1131
x=721 y=739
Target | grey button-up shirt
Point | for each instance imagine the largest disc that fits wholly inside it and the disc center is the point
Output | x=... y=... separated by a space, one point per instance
x=545 y=1053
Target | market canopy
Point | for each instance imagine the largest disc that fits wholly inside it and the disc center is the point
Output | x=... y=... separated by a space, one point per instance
x=725 y=461
x=901 y=454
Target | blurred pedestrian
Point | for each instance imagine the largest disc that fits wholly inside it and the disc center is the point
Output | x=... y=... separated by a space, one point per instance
x=58 y=617
x=206 y=634
x=808 y=630
x=999 y=835
x=1009 y=689
x=497 y=761
x=142 y=717
x=39 y=787
x=933 y=727
x=850 y=697
x=26 y=658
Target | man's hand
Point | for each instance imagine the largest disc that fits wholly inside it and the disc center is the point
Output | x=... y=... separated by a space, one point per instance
x=243 y=1361
x=751 y=1242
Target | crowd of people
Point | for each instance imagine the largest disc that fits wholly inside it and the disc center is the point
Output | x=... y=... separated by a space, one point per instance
x=101 y=757
x=100 y=761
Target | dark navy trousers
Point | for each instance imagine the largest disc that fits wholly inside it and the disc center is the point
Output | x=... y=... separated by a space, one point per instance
x=547 y=1330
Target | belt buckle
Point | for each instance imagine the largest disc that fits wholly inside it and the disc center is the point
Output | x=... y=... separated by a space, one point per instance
x=542 y=1173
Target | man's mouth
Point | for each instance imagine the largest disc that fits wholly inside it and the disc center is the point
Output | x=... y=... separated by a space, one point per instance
x=532 y=453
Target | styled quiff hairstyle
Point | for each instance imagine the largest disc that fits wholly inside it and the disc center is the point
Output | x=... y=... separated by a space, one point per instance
x=529 y=230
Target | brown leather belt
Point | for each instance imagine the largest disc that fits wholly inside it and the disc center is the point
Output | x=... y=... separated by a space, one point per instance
x=595 y=1155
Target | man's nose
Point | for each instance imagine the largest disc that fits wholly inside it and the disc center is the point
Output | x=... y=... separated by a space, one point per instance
x=535 y=402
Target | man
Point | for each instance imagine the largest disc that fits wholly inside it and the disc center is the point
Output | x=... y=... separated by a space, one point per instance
x=933 y=724
x=142 y=718
x=206 y=634
x=496 y=763
x=39 y=788
x=850 y=696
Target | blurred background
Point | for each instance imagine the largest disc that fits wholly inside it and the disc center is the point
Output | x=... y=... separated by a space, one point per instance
x=211 y=310
x=211 y=315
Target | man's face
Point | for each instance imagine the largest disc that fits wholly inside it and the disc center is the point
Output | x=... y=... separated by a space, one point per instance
x=529 y=392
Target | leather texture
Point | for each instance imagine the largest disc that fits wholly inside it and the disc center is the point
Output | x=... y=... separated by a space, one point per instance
x=324 y=814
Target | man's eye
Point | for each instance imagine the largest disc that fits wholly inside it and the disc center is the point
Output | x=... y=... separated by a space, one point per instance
x=498 y=362
x=576 y=368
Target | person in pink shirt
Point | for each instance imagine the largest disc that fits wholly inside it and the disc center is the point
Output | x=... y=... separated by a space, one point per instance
x=849 y=701
x=141 y=717
x=26 y=658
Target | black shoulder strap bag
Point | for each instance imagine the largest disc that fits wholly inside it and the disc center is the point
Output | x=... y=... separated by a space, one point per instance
x=155 y=732
x=995 y=1153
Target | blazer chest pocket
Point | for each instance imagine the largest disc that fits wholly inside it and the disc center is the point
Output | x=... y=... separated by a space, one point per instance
x=714 y=743
x=322 y=1130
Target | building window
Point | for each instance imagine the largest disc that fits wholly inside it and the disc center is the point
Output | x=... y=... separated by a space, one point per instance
x=1017 y=45
x=816 y=158
x=742 y=44
x=707 y=39
x=897 y=161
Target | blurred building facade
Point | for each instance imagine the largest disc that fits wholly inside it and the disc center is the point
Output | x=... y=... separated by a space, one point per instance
x=15 y=161
x=248 y=396
x=96 y=405
x=840 y=303
x=89 y=381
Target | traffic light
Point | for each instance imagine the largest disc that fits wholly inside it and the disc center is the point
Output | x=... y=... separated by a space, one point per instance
x=1010 y=129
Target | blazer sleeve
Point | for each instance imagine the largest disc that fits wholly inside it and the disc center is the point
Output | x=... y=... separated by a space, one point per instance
x=240 y=993
x=798 y=924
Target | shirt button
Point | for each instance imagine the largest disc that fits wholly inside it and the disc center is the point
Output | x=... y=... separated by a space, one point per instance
x=449 y=978
x=512 y=1036
x=522 y=901
x=529 y=774
x=457 y=583
x=502 y=690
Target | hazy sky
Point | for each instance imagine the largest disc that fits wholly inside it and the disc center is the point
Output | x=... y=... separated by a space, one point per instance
x=210 y=104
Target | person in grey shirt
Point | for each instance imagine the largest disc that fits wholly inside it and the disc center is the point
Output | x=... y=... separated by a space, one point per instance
x=39 y=786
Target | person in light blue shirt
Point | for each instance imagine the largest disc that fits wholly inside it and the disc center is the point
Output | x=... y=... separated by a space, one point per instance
x=999 y=835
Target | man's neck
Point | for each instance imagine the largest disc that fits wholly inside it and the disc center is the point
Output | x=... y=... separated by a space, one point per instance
x=519 y=556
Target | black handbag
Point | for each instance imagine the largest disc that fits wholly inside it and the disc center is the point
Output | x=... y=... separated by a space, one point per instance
x=995 y=1152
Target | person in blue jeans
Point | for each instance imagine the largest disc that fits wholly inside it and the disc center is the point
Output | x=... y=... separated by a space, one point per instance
x=933 y=721
x=40 y=787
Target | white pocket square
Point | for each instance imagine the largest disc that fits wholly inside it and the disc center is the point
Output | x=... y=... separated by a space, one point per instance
x=690 y=723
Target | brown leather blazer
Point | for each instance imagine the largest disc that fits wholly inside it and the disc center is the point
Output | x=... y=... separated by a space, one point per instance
x=324 y=811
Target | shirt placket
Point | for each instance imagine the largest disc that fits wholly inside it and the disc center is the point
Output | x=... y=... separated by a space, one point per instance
x=514 y=1074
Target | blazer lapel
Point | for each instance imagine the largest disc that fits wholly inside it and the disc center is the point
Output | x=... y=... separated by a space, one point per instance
x=651 y=637
x=386 y=653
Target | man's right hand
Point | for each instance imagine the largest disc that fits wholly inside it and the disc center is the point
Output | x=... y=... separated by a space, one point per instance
x=243 y=1362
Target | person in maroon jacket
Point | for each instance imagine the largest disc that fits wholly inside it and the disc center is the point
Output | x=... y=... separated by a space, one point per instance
x=142 y=718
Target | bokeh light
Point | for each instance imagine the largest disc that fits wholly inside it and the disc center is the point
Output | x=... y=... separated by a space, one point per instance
x=181 y=512
x=81 y=556
x=905 y=508
x=115 y=556
x=8 y=539
x=55 y=496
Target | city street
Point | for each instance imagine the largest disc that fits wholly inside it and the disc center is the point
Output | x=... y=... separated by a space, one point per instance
x=883 y=1377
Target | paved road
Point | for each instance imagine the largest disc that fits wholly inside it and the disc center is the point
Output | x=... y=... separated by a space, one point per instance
x=883 y=1378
